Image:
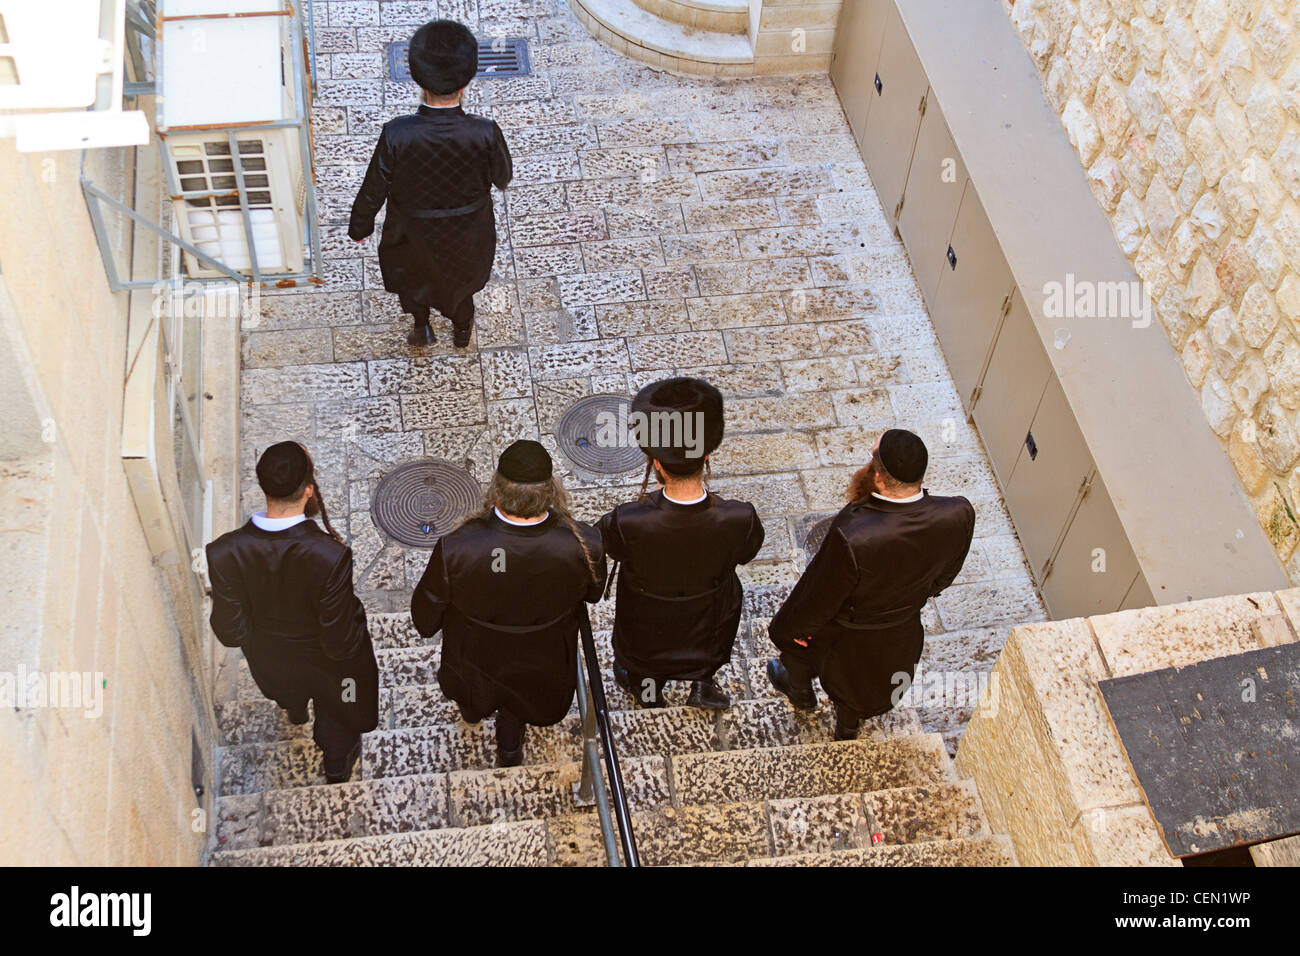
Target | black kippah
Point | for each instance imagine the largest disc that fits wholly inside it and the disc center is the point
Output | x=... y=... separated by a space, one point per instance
x=282 y=469
x=525 y=462
x=904 y=456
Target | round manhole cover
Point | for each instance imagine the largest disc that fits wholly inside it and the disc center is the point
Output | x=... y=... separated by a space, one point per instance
x=420 y=501
x=812 y=542
x=594 y=435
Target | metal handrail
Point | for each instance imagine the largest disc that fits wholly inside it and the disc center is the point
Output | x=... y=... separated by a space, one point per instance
x=594 y=708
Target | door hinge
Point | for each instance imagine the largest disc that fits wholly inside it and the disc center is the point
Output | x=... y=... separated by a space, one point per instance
x=898 y=210
x=975 y=395
x=921 y=108
x=1047 y=570
x=1006 y=306
x=1085 y=488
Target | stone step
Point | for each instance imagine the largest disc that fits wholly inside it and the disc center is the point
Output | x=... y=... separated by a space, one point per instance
x=404 y=658
x=346 y=823
x=249 y=767
x=377 y=806
x=359 y=808
x=500 y=844
x=715 y=16
x=971 y=851
x=641 y=35
x=810 y=770
x=735 y=832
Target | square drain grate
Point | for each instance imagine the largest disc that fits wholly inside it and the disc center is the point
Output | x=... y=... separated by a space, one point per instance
x=497 y=58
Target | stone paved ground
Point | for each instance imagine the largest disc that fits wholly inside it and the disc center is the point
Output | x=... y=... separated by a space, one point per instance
x=657 y=225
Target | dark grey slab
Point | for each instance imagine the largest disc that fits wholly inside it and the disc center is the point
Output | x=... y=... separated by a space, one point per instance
x=1215 y=747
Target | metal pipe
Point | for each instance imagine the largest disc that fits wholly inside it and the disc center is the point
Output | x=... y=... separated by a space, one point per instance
x=601 y=706
x=592 y=786
x=310 y=212
x=94 y=191
x=238 y=164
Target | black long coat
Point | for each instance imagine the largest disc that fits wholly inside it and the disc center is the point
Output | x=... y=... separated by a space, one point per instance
x=435 y=168
x=679 y=599
x=860 y=599
x=285 y=598
x=507 y=599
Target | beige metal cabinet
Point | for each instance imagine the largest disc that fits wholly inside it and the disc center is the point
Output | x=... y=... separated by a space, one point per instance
x=899 y=88
x=1139 y=594
x=858 y=40
x=935 y=185
x=1011 y=389
x=1048 y=478
x=1094 y=567
x=974 y=284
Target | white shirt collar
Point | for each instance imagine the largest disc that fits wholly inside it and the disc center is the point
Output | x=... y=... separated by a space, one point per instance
x=520 y=524
x=277 y=524
x=901 y=501
x=678 y=501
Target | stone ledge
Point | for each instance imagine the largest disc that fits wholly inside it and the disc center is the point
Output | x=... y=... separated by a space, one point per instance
x=1049 y=766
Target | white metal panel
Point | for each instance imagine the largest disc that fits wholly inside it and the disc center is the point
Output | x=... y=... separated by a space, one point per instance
x=56 y=51
x=80 y=129
x=222 y=72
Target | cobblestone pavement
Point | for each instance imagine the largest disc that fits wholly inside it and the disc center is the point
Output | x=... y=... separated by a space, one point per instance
x=657 y=225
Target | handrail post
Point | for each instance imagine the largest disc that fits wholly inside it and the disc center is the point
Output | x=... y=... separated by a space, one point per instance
x=590 y=731
x=599 y=709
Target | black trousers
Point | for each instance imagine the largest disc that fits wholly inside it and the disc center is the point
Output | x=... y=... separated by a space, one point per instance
x=650 y=690
x=802 y=671
x=510 y=729
x=335 y=739
x=462 y=317
x=280 y=680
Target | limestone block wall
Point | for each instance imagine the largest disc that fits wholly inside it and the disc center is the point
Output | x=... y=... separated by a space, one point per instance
x=80 y=588
x=1186 y=117
x=793 y=35
x=1050 y=769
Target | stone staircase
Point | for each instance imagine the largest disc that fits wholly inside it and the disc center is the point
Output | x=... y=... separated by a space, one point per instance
x=709 y=37
x=759 y=784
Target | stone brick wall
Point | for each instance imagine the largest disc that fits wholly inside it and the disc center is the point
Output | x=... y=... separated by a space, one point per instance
x=1186 y=117
x=81 y=590
x=1049 y=767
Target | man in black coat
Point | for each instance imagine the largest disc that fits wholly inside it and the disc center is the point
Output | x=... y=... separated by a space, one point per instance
x=854 y=618
x=436 y=169
x=678 y=597
x=506 y=589
x=282 y=593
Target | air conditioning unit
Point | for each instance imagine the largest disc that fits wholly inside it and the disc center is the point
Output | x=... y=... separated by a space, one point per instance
x=232 y=127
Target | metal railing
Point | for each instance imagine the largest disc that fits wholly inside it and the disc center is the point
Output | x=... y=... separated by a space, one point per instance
x=594 y=708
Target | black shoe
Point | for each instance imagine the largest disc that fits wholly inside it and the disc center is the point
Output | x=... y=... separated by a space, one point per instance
x=298 y=715
x=422 y=334
x=623 y=679
x=342 y=772
x=460 y=337
x=510 y=758
x=708 y=695
x=803 y=698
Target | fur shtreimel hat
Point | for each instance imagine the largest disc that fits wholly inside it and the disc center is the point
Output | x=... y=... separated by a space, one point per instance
x=443 y=56
x=678 y=421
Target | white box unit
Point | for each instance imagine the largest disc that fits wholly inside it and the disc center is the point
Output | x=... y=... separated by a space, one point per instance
x=51 y=53
x=229 y=106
